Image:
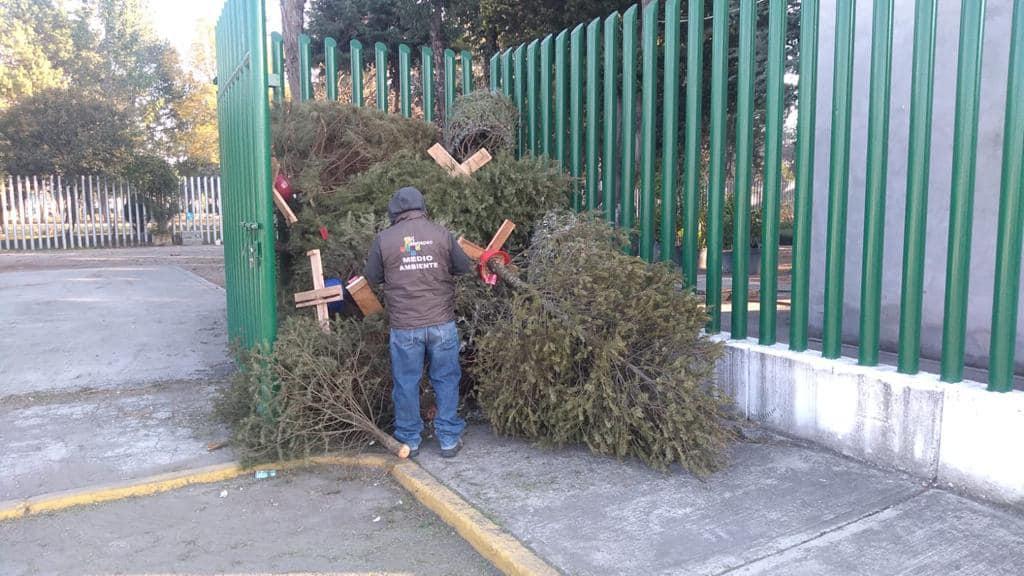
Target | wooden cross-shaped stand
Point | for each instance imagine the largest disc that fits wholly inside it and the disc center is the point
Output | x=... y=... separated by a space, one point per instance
x=320 y=296
x=500 y=237
x=472 y=164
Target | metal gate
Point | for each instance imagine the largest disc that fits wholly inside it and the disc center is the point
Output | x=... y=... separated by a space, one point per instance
x=243 y=116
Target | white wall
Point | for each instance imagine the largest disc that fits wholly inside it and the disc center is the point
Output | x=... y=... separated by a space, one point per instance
x=986 y=200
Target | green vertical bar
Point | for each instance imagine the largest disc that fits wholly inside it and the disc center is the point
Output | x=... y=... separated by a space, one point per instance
x=961 y=207
x=593 y=110
x=1011 y=219
x=404 y=79
x=331 y=67
x=519 y=98
x=576 y=112
x=670 y=131
x=694 y=94
x=427 y=62
x=532 y=132
x=467 y=71
x=355 y=48
x=611 y=101
x=449 y=82
x=629 y=18
x=650 y=87
x=919 y=150
x=561 y=95
x=772 y=172
x=380 y=50
x=875 y=190
x=839 y=175
x=547 y=55
x=716 y=177
x=744 y=162
x=802 y=213
x=492 y=73
x=506 y=72
x=277 y=59
x=305 y=81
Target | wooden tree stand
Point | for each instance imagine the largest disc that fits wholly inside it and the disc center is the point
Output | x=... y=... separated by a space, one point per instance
x=320 y=296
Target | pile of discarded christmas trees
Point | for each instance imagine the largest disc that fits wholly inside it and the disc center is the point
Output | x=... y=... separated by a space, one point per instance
x=576 y=343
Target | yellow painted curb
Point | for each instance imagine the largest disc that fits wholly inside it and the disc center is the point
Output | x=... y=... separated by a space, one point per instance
x=170 y=481
x=500 y=548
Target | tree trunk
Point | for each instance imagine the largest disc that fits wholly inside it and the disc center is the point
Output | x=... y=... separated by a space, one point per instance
x=292 y=12
x=437 y=45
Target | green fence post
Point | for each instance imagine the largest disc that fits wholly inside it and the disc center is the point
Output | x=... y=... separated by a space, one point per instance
x=804 y=175
x=694 y=94
x=277 y=61
x=593 y=110
x=670 y=128
x=744 y=161
x=875 y=190
x=561 y=95
x=331 y=68
x=629 y=25
x=547 y=55
x=838 y=179
x=492 y=73
x=305 y=79
x=519 y=65
x=650 y=88
x=506 y=73
x=404 y=79
x=772 y=172
x=380 y=50
x=532 y=135
x=918 y=166
x=716 y=177
x=467 y=71
x=1011 y=220
x=576 y=112
x=449 y=82
x=961 y=207
x=611 y=101
x=427 y=69
x=355 y=48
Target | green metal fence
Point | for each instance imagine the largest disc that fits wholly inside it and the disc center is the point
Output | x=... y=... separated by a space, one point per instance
x=243 y=115
x=604 y=98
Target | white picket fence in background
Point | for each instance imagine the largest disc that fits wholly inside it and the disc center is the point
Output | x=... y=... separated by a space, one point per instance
x=54 y=213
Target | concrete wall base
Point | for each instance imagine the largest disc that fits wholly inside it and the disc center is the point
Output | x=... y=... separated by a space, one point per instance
x=955 y=434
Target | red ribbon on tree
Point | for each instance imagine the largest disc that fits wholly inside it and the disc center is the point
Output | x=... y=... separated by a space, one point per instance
x=485 y=273
x=283 y=187
x=323 y=232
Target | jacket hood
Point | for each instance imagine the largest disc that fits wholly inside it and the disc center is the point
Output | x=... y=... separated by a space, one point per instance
x=407 y=199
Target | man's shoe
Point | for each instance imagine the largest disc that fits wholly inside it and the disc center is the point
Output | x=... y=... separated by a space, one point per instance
x=414 y=452
x=451 y=452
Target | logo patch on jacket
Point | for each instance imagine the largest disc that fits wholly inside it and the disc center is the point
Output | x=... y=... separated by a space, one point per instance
x=411 y=257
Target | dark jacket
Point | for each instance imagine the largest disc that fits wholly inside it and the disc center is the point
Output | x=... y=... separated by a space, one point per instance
x=416 y=261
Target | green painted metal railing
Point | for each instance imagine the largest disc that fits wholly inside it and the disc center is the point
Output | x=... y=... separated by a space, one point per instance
x=243 y=114
x=578 y=91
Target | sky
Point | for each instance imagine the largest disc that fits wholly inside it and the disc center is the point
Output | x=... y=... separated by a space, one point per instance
x=177 y=20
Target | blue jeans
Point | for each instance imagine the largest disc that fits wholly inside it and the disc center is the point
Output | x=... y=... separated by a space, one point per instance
x=439 y=345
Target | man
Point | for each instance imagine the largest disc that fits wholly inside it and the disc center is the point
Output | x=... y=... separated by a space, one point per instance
x=417 y=260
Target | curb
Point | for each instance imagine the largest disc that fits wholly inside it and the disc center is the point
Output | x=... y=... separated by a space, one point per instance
x=149 y=485
x=487 y=538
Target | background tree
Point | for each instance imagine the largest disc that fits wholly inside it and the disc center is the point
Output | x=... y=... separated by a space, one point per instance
x=68 y=132
x=292 y=24
x=35 y=44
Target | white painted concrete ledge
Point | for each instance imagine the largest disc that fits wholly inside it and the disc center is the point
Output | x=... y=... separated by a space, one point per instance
x=956 y=434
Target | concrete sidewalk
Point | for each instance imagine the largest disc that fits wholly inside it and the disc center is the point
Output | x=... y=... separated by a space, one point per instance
x=779 y=507
x=110 y=361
